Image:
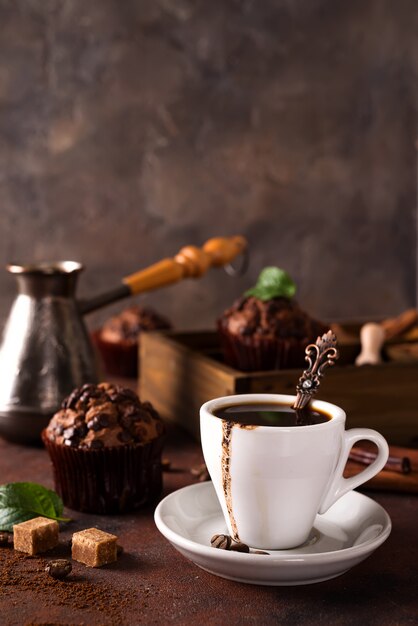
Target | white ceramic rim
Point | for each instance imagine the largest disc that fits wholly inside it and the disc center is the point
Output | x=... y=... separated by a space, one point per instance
x=337 y=413
x=322 y=557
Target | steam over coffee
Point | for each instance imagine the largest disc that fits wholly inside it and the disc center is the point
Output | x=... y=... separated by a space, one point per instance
x=270 y=414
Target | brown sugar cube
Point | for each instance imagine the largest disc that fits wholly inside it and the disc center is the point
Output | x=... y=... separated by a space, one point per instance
x=94 y=547
x=36 y=535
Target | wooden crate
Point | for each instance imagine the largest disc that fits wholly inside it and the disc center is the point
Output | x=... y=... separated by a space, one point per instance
x=181 y=371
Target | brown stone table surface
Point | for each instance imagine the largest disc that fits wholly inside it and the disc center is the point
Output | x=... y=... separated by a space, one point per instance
x=161 y=587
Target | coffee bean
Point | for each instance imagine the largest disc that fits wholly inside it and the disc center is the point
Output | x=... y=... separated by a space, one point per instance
x=237 y=546
x=4 y=539
x=166 y=465
x=59 y=569
x=223 y=542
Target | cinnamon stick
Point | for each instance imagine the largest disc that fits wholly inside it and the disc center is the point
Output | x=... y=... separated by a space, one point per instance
x=401 y=465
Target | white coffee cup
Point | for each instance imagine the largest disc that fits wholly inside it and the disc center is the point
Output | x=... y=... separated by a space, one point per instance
x=272 y=481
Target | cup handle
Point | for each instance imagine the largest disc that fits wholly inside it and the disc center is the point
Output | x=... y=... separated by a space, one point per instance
x=340 y=485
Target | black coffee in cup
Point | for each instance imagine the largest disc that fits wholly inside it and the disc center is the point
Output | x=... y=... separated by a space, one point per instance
x=270 y=414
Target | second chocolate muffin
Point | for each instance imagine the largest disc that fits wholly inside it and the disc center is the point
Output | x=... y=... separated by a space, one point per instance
x=119 y=338
x=266 y=329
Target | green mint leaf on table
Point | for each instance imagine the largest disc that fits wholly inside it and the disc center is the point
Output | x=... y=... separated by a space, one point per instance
x=273 y=282
x=22 y=501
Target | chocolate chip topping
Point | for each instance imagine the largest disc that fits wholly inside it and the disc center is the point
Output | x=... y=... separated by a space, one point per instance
x=125 y=436
x=97 y=416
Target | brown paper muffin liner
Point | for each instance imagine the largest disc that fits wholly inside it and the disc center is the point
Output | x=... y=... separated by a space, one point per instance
x=254 y=353
x=107 y=481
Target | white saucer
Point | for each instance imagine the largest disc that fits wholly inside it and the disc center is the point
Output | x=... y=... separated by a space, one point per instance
x=342 y=537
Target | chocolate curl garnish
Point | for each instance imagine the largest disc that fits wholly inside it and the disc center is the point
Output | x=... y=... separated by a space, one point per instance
x=319 y=355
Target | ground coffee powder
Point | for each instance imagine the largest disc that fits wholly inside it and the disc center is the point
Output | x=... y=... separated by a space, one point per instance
x=20 y=572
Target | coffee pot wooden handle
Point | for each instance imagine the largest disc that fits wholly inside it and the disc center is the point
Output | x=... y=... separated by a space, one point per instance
x=190 y=262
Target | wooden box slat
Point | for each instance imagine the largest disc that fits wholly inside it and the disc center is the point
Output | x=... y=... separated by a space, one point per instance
x=181 y=371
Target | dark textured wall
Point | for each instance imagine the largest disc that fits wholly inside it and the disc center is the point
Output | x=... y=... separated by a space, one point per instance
x=131 y=127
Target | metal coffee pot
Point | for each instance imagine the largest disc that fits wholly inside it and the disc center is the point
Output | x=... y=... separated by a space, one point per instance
x=46 y=350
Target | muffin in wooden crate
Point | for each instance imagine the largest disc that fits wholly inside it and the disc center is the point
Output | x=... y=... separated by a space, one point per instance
x=266 y=329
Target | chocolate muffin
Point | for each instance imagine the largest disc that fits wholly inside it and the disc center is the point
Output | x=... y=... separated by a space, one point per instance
x=119 y=337
x=266 y=329
x=105 y=446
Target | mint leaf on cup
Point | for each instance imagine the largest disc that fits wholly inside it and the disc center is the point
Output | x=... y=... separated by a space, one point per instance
x=272 y=282
x=22 y=501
